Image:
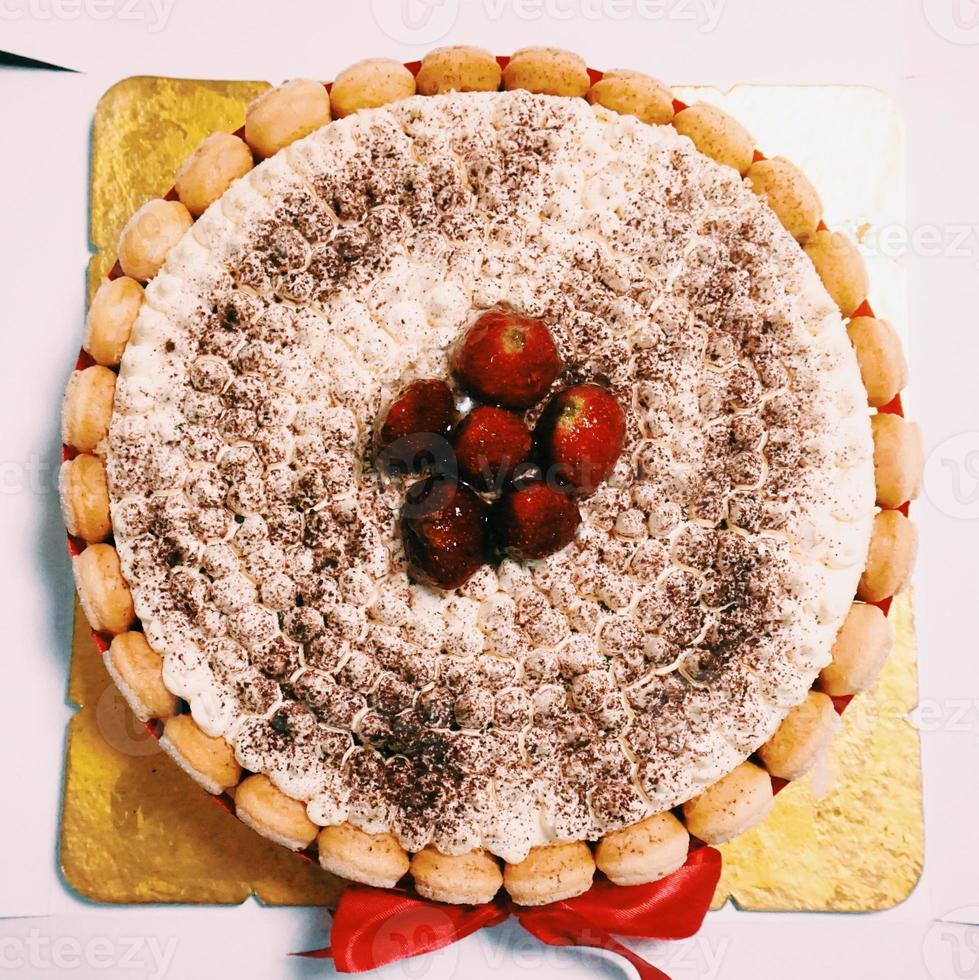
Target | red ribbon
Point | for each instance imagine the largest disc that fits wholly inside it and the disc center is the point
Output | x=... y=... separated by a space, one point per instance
x=373 y=927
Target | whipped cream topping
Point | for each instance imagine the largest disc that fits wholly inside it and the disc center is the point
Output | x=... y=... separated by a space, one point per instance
x=557 y=700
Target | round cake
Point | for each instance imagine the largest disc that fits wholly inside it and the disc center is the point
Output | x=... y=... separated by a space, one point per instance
x=560 y=699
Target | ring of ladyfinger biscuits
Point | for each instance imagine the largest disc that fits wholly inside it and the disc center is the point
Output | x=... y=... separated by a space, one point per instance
x=547 y=71
x=463 y=879
x=717 y=135
x=862 y=646
x=87 y=408
x=102 y=591
x=458 y=69
x=804 y=735
x=212 y=168
x=731 y=806
x=371 y=859
x=658 y=845
x=369 y=84
x=631 y=93
x=282 y=115
x=149 y=235
x=110 y=319
x=644 y=852
x=84 y=493
x=268 y=811
x=899 y=459
x=841 y=268
x=137 y=670
x=890 y=561
x=789 y=194
x=550 y=873
x=209 y=761
x=883 y=368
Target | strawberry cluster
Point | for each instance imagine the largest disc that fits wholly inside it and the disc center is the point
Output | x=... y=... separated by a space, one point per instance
x=489 y=485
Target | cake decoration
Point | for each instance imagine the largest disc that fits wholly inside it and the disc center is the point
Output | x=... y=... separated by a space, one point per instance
x=539 y=657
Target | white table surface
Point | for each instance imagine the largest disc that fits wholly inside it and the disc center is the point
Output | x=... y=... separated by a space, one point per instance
x=924 y=53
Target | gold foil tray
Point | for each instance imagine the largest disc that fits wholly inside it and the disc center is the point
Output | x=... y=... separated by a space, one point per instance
x=136 y=829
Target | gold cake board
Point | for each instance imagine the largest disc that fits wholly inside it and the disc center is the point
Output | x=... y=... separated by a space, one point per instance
x=136 y=829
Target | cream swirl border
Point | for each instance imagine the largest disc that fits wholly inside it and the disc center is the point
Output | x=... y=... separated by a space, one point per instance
x=657 y=845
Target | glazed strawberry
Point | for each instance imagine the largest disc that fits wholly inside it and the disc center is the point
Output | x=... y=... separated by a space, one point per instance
x=416 y=426
x=490 y=443
x=444 y=530
x=580 y=436
x=508 y=359
x=534 y=520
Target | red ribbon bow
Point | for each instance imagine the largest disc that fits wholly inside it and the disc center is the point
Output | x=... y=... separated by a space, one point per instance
x=373 y=927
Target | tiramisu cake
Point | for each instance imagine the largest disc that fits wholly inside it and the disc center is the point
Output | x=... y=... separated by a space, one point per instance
x=489 y=474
